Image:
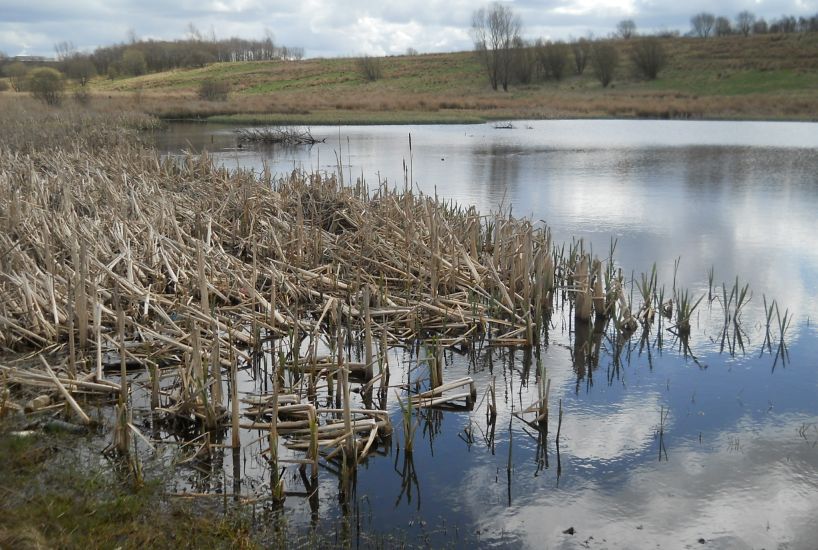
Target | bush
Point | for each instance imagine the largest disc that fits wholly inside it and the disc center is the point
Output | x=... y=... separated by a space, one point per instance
x=604 y=59
x=4 y=86
x=370 y=68
x=649 y=57
x=214 y=90
x=16 y=72
x=133 y=62
x=554 y=58
x=46 y=85
x=82 y=96
x=81 y=69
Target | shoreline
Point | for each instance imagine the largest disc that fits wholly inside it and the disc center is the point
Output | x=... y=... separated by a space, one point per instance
x=376 y=119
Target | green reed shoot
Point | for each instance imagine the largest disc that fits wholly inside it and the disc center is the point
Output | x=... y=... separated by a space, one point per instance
x=711 y=275
x=685 y=306
x=409 y=426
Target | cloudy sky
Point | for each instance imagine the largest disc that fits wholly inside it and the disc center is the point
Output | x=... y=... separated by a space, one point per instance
x=331 y=27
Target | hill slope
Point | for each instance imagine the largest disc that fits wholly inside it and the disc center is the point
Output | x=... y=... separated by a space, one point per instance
x=766 y=76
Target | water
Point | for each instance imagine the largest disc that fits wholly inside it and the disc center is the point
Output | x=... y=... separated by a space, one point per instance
x=657 y=447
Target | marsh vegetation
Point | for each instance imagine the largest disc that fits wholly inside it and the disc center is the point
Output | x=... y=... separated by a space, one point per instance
x=305 y=342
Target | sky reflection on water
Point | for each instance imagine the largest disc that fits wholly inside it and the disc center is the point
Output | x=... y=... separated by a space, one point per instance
x=737 y=463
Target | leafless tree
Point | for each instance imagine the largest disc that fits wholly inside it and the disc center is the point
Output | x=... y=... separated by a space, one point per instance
x=581 y=50
x=760 y=27
x=604 y=60
x=626 y=29
x=369 y=67
x=702 y=24
x=81 y=69
x=553 y=57
x=744 y=22
x=723 y=27
x=648 y=56
x=524 y=61
x=494 y=30
x=65 y=50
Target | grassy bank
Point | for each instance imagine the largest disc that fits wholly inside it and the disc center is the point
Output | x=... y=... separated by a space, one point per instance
x=53 y=494
x=756 y=77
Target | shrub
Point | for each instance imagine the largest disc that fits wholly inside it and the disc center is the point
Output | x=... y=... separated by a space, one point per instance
x=649 y=57
x=81 y=69
x=214 y=90
x=554 y=58
x=370 y=68
x=604 y=59
x=4 y=86
x=133 y=62
x=16 y=72
x=47 y=85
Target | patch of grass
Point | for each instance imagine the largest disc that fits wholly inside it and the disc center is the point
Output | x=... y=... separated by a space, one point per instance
x=55 y=494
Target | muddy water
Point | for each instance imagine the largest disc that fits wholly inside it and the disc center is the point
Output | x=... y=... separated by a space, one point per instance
x=661 y=443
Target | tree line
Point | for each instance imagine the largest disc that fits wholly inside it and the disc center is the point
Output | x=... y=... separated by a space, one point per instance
x=508 y=58
x=706 y=24
x=137 y=57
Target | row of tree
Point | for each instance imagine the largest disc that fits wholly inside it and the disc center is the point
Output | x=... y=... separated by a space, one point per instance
x=138 y=57
x=496 y=31
x=705 y=25
x=508 y=58
x=148 y=56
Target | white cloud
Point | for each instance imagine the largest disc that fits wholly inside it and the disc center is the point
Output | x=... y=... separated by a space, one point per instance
x=328 y=28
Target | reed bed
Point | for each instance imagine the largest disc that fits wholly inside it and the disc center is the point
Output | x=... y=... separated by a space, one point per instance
x=285 y=135
x=116 y=262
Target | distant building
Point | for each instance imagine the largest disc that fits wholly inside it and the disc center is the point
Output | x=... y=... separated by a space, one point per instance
x=32 y=59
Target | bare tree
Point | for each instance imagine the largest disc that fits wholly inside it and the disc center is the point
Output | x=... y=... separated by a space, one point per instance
x=65 y=50
x=553 y=57
x=744 y=22
x=581 y=49
x=133 y=62
x=524 y=61
x=604 y=60
x=80 y=69
x=648 y=56
x=626 y=29
x=723 y=27
x=760 y=27
x=702 y=24
x=369 y=67
x=494 y=30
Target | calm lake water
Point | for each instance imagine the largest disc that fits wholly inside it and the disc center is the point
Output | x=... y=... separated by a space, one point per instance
x=711 y=446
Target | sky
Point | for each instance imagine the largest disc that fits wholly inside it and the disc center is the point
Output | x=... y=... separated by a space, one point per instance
x=330 y=28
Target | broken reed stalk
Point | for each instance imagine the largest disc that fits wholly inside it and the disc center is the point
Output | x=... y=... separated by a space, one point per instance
x=65 y=393
x=276 y=484
x=367 y=334
x=234 y=398
x=583 y=298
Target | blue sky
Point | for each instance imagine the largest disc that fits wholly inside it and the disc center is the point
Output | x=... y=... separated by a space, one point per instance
x=331 y=28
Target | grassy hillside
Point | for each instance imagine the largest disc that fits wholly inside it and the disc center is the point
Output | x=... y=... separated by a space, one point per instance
x=766 y=76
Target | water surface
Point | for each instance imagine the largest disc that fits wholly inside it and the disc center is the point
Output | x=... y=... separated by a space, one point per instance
x=661 y=444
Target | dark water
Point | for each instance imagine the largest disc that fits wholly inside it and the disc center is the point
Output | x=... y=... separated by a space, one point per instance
x=660 y=444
